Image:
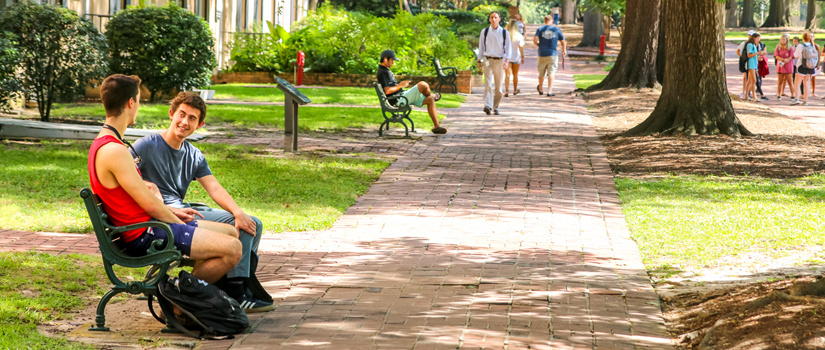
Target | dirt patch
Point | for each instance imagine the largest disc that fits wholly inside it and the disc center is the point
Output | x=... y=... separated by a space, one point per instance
x=712 y=308
x=782 y=147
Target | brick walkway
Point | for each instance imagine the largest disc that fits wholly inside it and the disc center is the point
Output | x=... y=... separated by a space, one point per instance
x=505 y=233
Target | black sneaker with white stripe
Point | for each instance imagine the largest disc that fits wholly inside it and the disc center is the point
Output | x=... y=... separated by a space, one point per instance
x=250 y=304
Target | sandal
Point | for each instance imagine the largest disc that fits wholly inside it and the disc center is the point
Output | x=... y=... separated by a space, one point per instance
x=437 y=96
x=506 y=95
x=538 y=88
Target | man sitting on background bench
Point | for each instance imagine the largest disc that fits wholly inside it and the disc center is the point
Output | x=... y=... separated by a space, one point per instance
x=418 y=96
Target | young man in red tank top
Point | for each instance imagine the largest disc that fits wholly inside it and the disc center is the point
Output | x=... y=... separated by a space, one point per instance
x=128 y=199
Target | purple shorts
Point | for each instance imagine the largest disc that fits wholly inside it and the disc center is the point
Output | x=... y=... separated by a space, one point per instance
x=183 y=239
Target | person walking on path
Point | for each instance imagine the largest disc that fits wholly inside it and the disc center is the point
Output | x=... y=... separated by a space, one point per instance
x=418 y=96
x=751 y=52
x=519 y=23
x=743 y=64
x=548 y=38
x=516 y=58
x=555 y=12
x=494 y=57
x=783 y=55
x=807 y=57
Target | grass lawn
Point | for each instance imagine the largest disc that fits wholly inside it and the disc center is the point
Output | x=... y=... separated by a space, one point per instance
x=733 y=35
x=584 y=81
x=37 y=288
x=39 y=185
x=326 y=95
x=694 y=221
x=156 y=116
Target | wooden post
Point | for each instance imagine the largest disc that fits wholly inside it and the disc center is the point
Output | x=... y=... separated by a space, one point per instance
x=292 y=99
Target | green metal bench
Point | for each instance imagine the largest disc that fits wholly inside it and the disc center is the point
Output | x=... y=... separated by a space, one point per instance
x=445 y=75
x=396 y=113
x=159 y=256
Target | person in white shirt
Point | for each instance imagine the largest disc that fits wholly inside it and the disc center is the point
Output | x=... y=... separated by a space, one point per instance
x=805 y=63
x=493 y=59
x=516 y=57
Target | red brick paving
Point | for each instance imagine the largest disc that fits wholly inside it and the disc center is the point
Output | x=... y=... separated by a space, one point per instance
x=506 y=232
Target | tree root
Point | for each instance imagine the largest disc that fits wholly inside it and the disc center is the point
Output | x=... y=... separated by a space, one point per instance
x=803 y=293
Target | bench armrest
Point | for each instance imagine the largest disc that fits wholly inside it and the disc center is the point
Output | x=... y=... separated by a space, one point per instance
x=157 y=244
x=454 y=69
x=406 y=103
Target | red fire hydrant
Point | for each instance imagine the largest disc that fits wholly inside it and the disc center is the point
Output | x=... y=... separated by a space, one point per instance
x=601 y=47
x=299 y=79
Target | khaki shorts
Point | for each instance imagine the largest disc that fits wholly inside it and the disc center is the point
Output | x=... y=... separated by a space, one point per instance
x=548 y=65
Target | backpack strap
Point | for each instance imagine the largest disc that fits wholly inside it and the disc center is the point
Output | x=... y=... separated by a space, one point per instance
x=166 y=307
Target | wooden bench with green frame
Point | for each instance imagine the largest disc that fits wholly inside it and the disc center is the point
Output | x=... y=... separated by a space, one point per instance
x=161 y=257
x=397 y=113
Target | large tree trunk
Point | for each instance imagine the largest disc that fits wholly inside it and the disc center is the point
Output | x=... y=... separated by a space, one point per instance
x=661 y=54
x=695 y=96
x=731 y=20
x=593 y=29
x=779 y=14
x=747 y=14
x=636 y=65
x=811 y=21
x=568 y=9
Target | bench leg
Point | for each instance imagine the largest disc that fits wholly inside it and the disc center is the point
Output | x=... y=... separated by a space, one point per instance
x=100 y=318
x=381 y=128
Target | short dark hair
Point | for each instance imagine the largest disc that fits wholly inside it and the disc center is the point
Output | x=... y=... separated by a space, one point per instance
x=116 y=90
x=191 y=99
x=491 y=15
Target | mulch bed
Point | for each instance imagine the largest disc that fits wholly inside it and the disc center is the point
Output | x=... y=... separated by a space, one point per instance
x=782 y=148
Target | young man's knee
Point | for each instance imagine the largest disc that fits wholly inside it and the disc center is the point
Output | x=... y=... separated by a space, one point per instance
x=234 y=253
x=422 y=86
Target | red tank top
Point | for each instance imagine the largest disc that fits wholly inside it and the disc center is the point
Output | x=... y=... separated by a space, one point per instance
x=127 y=211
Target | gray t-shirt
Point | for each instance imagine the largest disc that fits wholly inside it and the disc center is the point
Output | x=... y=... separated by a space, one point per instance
x=170 y=169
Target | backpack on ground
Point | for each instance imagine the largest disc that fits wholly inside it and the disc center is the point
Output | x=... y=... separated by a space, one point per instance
x=810 y=58
x=211 y=311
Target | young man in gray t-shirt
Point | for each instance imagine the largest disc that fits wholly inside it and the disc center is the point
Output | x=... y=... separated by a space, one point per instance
x=172 y=163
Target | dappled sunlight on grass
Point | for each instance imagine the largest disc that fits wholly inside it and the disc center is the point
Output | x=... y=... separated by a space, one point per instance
x=694 y=221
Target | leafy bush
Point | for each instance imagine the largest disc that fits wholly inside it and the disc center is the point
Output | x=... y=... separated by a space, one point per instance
x=381 y=8
x=534 y=12
x=60 y=53
x=9 y=84
x=168 y=47
x=337 y=41
x=485 y=11
x=459 y=17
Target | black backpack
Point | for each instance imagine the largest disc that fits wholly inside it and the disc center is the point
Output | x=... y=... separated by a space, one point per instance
x=211 y=311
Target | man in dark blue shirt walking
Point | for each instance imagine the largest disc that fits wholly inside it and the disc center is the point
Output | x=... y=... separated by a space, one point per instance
x=548 y=38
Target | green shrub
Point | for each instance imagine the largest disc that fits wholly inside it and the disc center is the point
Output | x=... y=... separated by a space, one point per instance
x=251 y=52
x=168 y=47
x=460 y=17
x=337 y=41
x=60 y=53
x=9 y=85
x=381 y=8
x=534 y=12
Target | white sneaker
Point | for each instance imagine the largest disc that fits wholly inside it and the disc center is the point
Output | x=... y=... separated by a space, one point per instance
x=742 y=96
x=804 y=103
x=795 y=102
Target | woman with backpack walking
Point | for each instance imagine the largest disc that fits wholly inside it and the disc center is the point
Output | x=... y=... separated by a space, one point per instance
x=807 y=59
x=516 y=58
x=751 y=51
x=783 y=55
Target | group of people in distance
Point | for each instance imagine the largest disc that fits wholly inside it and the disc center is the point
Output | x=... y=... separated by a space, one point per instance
x=151 y=182
x=500 y=54
x=797 y=64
